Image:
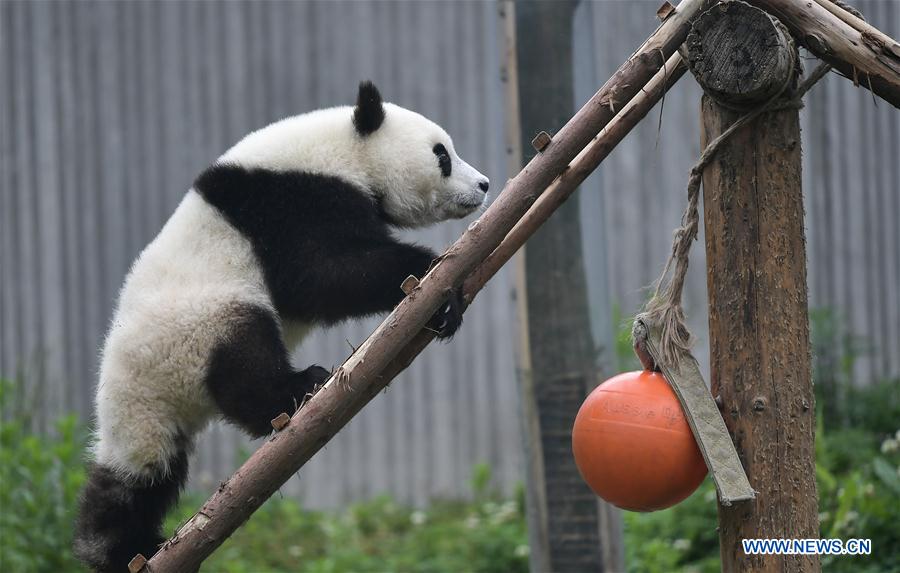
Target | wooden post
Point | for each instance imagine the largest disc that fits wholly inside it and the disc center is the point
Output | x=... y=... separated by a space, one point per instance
x=756 y=260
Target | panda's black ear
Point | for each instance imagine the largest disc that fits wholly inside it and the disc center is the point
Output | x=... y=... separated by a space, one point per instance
x=369 y=113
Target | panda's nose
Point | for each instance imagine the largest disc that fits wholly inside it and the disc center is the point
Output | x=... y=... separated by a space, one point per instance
x=484 y=185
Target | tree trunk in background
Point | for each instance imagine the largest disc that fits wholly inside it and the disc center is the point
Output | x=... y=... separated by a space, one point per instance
x=564 y=520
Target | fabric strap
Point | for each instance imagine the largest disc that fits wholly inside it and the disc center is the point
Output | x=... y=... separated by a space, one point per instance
x=700 y=410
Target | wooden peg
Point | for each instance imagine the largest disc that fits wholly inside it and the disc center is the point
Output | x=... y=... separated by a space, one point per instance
x=281 y=421
x=541 y=141
x=409 y=284
x=137 y=563
x=665 y=11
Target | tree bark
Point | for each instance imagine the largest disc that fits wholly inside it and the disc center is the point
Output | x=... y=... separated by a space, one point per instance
x=564 y=521
x=759 y=331
x=400 y=338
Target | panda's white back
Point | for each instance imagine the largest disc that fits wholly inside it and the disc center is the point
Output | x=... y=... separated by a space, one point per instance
x=171 y=313
x=321 y=141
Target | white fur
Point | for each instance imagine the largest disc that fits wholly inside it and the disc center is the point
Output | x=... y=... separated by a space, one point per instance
x=174 y=307
x=170 y=316
x=395 y=163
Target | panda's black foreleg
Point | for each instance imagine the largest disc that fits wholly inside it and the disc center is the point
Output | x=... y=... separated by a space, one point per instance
x=350 y=279
x=250 y=376
x=448 y=318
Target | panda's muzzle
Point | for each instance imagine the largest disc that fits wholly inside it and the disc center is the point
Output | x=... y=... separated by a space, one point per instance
x=477 y=197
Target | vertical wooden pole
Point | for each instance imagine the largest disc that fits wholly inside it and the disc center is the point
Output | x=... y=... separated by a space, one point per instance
x=536 y=503
x=759 y=331
x=758 y=319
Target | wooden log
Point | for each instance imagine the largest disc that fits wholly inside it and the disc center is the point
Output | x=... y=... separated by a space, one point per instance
x=862 y=53
x=400 y=338
x=758 y=329
x=740 y=54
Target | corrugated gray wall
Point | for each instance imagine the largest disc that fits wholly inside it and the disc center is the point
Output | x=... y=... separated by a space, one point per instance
x=112 y=108
x=109 y=109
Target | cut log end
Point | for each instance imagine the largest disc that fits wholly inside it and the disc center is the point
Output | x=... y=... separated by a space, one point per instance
x=740 y=54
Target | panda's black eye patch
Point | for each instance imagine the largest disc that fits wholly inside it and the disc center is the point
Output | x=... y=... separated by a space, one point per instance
x=443 y=159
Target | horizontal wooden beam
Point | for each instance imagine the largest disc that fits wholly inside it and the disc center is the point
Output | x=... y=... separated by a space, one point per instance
x=856 y=49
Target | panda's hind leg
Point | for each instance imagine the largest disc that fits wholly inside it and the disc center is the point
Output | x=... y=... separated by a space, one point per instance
x=250 y=376
x=120 y=514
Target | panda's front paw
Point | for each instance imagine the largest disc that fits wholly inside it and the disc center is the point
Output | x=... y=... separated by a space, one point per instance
x=447 y=320
x=314 y=378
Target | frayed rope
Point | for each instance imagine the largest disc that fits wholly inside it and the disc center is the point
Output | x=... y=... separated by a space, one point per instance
x=664 y=308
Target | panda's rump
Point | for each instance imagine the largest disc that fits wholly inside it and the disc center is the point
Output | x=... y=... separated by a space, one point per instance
x=177 y=304
x=152 y=398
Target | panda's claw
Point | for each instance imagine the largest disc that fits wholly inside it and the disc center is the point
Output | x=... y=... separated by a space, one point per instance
x=448 y=318
x=313 y=378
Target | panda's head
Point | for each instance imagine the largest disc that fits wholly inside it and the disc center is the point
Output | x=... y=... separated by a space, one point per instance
x=404 y=161
x=411 y=165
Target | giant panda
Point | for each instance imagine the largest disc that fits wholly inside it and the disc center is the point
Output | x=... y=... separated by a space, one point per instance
x=289 y=230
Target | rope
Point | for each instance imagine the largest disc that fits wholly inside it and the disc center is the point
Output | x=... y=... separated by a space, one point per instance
x=665 y=307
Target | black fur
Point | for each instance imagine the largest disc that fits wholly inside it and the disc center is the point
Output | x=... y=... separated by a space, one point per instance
x=448 y=319
x=119 y=518
x=444 y=162
x=250 y=376
x=369 y=112
x=326 y=252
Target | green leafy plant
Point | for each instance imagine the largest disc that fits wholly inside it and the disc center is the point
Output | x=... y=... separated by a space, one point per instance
x=40 y=477
x=860 y=501
x=485 y=535
x=41 y=474
x=626 y=360
x=681 y=538
x=835 y=352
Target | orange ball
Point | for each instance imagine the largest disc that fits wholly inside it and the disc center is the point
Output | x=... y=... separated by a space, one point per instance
x=633 y=445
